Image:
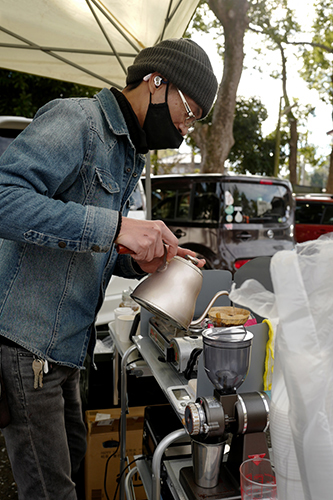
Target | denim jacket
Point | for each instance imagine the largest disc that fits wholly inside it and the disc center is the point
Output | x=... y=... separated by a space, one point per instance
x=63 y=182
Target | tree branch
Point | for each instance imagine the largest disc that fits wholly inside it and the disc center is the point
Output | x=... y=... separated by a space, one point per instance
x=322 y=46
x=313 y=44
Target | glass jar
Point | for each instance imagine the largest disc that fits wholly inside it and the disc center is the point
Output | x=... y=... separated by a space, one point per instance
x=127 y=301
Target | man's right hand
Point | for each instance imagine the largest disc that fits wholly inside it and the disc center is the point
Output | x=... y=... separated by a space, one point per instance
x=146 y=240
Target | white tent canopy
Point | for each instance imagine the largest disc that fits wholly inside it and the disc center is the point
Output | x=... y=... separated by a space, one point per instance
x=90 y=42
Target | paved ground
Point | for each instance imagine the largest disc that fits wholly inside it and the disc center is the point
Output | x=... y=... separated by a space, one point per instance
x=7 y=484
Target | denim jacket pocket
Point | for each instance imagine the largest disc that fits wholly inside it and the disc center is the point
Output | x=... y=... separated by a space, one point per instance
x=107 y=181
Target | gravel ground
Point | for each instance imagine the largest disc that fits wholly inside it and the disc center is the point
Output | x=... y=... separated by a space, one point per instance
x=8 y=488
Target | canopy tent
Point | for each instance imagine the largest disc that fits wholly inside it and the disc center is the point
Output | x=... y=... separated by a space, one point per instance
x=90 y=42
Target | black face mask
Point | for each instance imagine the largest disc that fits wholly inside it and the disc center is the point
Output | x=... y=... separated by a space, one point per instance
x=160 y=130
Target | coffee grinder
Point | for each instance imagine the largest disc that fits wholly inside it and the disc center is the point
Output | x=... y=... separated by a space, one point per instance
x=213 y=420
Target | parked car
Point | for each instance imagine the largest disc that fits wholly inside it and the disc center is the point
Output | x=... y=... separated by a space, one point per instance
x=226 y=219
x=313 y=216
x=10 y=127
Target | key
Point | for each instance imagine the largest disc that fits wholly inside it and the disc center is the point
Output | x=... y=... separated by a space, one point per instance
x=40 y=378
x=37 y=366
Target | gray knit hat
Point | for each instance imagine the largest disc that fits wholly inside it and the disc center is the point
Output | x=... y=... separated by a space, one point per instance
x=183 y=63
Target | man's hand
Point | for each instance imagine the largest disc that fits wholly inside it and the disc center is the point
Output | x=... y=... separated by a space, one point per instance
x=146 y=242
x=184 y=251
x=145 y=239
x=150 y=267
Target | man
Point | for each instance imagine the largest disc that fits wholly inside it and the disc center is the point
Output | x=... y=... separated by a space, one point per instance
x=65 y=183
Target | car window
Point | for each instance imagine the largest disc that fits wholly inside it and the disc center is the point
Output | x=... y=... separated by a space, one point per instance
x=163 y=203
x=186 y=200
x=328 y=215
x=183 y=200
x=171 y=201
x=206 y=206
x=206 y=203
x=309 y=213
x=256 y=203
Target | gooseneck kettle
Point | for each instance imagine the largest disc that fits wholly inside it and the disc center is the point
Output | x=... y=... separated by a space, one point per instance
x=171 y=292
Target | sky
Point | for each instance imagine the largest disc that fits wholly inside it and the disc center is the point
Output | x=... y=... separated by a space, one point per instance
x=269 y=90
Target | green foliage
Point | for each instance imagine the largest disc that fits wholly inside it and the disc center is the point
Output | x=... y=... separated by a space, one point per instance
x=308 y=155
x=205 y=21
x=313 y=167
x=22 y=94
x=190 y=138
x=319 y=177
x=252 y=153
x=318 y=61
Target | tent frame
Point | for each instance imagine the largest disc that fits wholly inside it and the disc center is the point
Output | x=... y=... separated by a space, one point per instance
x=54 y=51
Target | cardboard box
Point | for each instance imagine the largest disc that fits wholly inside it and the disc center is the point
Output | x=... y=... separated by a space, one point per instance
x=103 y=434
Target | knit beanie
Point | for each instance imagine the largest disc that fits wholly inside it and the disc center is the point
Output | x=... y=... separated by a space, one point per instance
x=184 y=63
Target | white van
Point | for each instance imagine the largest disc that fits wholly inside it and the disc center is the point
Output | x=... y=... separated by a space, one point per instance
x=227 y=219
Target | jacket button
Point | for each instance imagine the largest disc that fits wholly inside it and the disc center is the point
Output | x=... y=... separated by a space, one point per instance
x=95 y=248
x=135 y=175
x=128 y=170
x=62 y=244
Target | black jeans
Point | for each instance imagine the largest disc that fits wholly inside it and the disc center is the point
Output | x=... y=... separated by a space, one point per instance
x=46 y=437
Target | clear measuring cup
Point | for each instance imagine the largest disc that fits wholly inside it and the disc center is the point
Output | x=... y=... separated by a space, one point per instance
x=257 y=480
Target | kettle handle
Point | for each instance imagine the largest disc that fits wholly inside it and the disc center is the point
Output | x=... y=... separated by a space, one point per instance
x=121 y=249
x=193 y=260
x=163 y=266
x=202 y=317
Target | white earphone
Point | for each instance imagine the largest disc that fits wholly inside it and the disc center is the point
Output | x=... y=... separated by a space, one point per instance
x=158 y=80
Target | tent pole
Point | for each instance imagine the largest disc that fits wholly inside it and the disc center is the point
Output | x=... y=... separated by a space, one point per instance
x=148 y=186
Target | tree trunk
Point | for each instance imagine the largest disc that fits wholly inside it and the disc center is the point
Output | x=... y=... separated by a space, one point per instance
x=291 y=120
x=216 y=141
x=329 y=185
x=293 y=151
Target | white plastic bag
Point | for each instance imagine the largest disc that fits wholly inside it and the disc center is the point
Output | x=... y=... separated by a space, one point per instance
x=254 y=296
x=303 y=373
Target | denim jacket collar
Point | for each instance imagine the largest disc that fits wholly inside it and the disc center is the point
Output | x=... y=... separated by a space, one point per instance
x=112 y=113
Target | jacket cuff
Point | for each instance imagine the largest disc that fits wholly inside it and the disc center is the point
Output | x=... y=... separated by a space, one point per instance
x=120 y=219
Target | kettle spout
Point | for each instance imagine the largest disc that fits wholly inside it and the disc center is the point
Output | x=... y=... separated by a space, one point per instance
x=204 y=314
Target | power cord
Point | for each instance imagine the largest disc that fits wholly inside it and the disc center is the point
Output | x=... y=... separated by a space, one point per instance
x=108 y=445
x=133 y=361
x=142 y=457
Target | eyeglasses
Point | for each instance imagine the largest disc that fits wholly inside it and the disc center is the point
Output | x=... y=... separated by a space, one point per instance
x=190 y=119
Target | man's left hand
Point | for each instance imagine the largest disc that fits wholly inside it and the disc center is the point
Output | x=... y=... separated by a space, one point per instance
x=151 y=267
